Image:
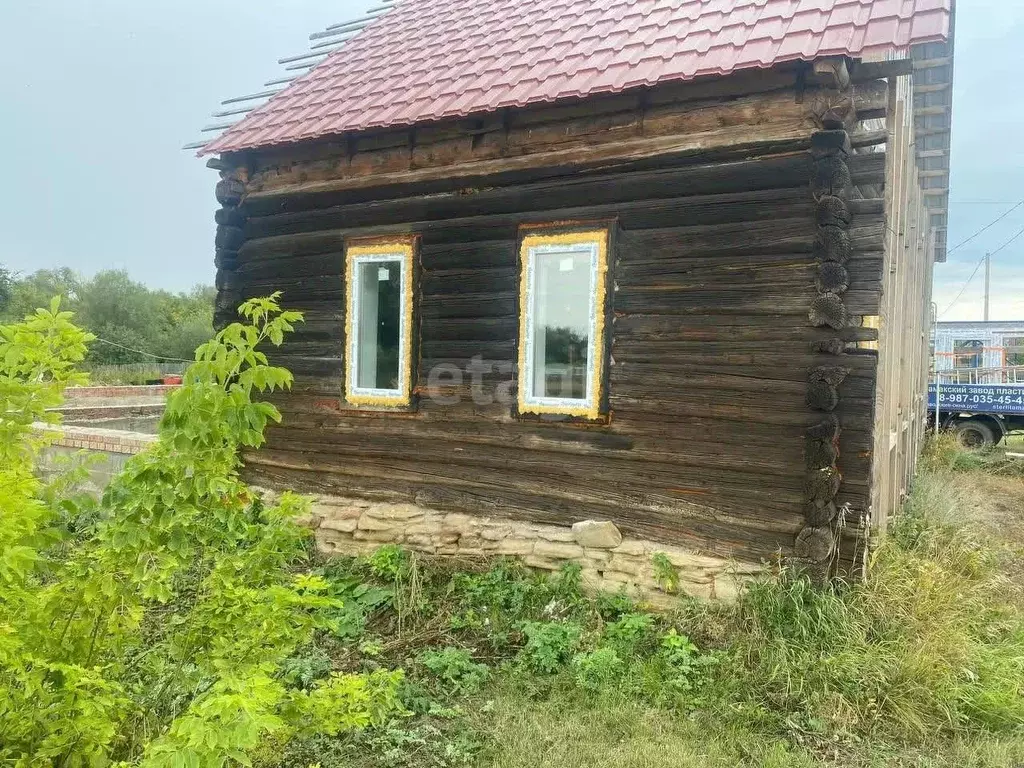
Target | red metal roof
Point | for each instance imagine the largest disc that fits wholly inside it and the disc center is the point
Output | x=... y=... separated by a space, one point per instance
x=433 y=59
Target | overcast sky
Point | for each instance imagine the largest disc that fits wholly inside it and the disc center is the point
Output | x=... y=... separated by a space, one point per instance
x=99 y=96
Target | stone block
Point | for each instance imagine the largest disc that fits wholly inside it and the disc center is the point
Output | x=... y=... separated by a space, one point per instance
x=599 y=557
x=618 y=577
x=543 y=563
x=681 y=558
x=343 y=525
x=626 y=564
x=597 y=535
x=367 y=523
x=556 y=533
x=459 y=523
x=425 y=527
x=495 y=532
x=421 y=543
x=632 y=547
x=395 y=512
x=515 y=547
x=379 y=537
x=337 y=511
x=558 y=550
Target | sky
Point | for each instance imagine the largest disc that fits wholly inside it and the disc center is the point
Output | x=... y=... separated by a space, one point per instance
x=100 y=95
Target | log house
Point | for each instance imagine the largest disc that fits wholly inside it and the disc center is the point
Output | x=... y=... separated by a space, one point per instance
x=687 y=316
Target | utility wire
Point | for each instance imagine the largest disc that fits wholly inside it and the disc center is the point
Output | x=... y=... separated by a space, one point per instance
x=982 y=261
x=140 y=352
x=985 y=228
x=1004 y=245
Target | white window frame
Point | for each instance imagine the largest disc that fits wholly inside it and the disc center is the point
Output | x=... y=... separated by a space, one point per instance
x=378 y=253
x=594 y=243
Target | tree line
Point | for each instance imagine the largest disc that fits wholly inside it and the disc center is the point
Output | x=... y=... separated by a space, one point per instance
x=125 y=314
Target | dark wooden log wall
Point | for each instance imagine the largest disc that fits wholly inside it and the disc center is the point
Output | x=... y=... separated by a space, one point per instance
x=711 y=350
x=714 y=353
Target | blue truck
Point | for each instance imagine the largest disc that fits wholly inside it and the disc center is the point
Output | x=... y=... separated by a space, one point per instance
x=981 y=414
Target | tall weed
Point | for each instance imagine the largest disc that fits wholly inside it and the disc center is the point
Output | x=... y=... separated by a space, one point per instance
x=930 y=642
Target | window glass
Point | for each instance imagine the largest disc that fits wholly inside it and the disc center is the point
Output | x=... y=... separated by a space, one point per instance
x=379 y=284
x=563 y=318
x=560 y=324
x=968 y=354
x=1014 y=351
x=379 y=325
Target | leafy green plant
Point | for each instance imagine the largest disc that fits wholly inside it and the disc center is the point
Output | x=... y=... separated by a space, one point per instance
x=157 y=634
x=666 y=574
x=549 y=644
x=598 y=670
x=629 y=633
x=389 y=562
x=455 y=669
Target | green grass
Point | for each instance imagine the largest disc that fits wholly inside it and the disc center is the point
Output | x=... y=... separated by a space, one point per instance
x=920 y=665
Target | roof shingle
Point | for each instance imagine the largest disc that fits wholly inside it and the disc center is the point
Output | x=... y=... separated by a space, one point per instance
x=435 y=59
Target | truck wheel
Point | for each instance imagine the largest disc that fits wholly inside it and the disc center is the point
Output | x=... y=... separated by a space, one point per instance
x=975 y=434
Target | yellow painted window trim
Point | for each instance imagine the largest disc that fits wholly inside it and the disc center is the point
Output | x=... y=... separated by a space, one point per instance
x=599 y=237
x=403 y=250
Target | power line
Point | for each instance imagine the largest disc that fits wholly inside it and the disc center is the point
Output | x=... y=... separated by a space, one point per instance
x=976 y=268
x=1004 y=245
x=141 y=352
x=954 y=301
x=985 y=228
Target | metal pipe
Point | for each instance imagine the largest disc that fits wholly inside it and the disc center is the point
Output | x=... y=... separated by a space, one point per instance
x=935 y=363
x=988 y=281
x=251 y=97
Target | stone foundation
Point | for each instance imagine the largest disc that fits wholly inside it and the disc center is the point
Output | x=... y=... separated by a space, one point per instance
x=610 y=562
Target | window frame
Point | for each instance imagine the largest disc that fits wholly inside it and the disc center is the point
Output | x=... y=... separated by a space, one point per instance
x=596 y=241
x=401 y=250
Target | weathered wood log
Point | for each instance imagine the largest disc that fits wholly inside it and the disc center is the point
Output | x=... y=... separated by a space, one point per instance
x=223 y=259
x=832 y=277
x=226 y=280
x=821 y=516
x=229 y=192
x=826 y=429
x=828 y=310
x=820 y=454
x=230 y=216
x=229 y=238
x=832 y=212
x=463 y=224
x=831 y=177
x=833 y=375
x=832 y=244
x=822 y=396
x=815 y=544
x=823 y=485
x=830 y=143
x=832 y=346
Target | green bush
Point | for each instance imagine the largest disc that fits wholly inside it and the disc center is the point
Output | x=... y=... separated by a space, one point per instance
x=160 y=632
x=455 y=669
x=549 y=644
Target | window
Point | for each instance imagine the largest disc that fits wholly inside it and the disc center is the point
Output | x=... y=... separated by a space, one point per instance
x=1014 y=350
x=379 y=323
x=968 y=354
x=561 y=335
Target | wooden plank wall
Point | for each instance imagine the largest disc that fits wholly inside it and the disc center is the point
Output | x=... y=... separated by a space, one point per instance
x=905 y=317
x=711 y=346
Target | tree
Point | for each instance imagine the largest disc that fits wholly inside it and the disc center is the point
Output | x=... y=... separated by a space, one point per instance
x=117 y=309
x=6 y=286
x=36 y=290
